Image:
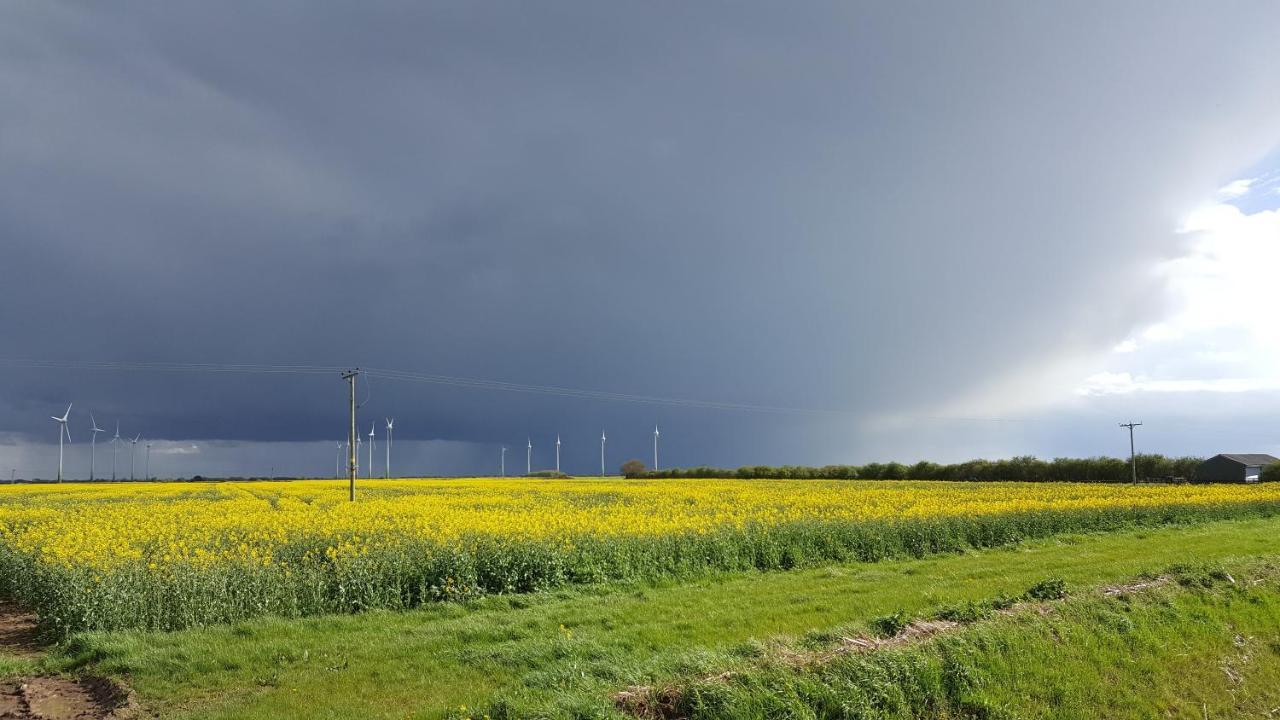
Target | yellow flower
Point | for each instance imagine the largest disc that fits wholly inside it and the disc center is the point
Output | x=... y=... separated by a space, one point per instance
x=171 y=531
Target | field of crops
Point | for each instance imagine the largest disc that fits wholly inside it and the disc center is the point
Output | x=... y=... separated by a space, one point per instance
x=166 y=556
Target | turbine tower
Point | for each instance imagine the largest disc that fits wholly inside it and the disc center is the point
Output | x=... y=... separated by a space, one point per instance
x=133 y=455
x=337 y=464
x=93 y=442
x=655 y=447
x=146 y=475
x=528 y=458
x=602 y=440
x=504 y=461
x=391 y=426
x=372 y=426
x=115 y=448
x=63 y=430
x=557 y=452
x=359 y=442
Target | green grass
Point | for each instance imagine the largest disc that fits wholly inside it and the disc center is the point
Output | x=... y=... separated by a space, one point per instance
x=13 y=666
x=561 y=653
x=1173 y=651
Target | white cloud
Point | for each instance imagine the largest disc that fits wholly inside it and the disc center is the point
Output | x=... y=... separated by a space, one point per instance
x=1224 y=282
x=1221 y=335
x=1123 y=383
x=1236 y=188
x=170 y=448
x=1160 y=332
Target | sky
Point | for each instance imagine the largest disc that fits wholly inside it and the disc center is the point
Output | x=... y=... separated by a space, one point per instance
x=925 y=231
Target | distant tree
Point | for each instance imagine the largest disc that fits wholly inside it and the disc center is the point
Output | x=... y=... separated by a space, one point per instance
x=894 y=471
x=553 y=474
x=633 y=468
x=1271 y=473
x=925 y=470
x=1025 y=468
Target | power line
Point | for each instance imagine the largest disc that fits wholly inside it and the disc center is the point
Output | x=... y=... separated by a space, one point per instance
x=413 y=377
x=496 y=385
x=406 y=376
x=171 y=367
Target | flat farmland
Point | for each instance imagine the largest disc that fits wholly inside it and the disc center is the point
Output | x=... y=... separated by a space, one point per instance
x=566 y=598
x=170 y=556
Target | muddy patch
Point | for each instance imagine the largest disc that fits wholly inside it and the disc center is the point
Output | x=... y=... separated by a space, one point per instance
x=58 y=698
x=18 y=633
x=51 y=697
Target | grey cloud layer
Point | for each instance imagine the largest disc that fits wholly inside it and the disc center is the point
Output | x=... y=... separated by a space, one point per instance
x=866 y=207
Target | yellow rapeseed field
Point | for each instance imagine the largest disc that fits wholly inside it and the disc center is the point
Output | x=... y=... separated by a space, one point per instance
x=102 y=526
x=300 y=547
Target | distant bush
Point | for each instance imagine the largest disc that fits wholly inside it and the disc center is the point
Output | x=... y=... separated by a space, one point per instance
x=1051 y=589
x=1024 y=469
x=1199 y=575
x=554 y=474
x=1270 y=473
x=890 y=625
x=964 y=613
x=633 y=468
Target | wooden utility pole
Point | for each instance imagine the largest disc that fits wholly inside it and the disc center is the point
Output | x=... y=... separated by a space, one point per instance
x=350 y=376
x=1133 y=456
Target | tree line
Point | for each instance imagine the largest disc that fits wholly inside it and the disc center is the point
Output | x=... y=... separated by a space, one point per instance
x=1152 y=468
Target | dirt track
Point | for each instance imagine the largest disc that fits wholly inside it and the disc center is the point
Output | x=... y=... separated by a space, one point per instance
x=50 y=697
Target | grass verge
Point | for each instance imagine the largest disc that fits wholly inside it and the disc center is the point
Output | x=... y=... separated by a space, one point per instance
x=1204 y=646
x=564 y=653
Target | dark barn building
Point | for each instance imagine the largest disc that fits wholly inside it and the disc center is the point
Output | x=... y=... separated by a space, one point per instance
x=1233 y=468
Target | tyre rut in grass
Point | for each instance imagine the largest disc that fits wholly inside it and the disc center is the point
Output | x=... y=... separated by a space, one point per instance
x=52 y=697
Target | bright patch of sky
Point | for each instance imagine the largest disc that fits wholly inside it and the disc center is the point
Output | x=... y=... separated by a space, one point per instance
x=1222 y=334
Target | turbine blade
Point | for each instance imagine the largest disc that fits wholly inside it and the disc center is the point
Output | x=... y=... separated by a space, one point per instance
x=67 y=430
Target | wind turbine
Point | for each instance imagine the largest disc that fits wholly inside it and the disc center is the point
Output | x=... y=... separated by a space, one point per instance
x=528 y=458
x=133 y=455
x=504 y=461
x=602 y=439
x=557 y=452
x=359 y=442
x=147 y=475
x=655 y=447
x=62 y=430
x=93 y=442
x=372 y=426
x=115 y=448
x=391 y=426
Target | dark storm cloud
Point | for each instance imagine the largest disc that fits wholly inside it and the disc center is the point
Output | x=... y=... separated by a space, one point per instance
x=866 y=207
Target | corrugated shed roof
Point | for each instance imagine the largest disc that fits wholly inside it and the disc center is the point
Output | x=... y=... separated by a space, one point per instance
x=1250 y=459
